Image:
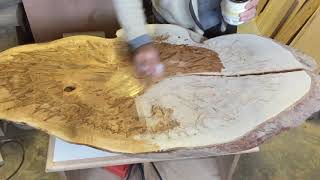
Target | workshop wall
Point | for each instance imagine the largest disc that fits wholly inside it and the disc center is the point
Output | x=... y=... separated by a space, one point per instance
x=8 y=23
x=50 y=19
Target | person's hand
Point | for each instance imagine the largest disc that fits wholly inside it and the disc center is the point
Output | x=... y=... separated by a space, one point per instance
x=147 y=61
x=250 y=13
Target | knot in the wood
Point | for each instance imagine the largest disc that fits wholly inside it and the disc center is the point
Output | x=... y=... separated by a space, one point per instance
x=69 y=88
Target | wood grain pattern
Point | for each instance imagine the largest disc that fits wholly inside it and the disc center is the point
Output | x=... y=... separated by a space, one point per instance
x=83 y=89
x=262 y=4
x=296 y=22
x=204 y=113
x=249 y=28
x=292 y=117
x=308 y=40
x=272 y=16
x=84 y=84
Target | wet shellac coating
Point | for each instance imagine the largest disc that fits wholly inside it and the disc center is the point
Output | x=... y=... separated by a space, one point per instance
x=83 y=88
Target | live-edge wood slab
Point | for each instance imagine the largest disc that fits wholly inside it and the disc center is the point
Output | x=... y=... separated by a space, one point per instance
x=84 y=90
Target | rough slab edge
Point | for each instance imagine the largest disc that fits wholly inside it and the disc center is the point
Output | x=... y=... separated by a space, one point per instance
x=290 y=118
x=307 y=61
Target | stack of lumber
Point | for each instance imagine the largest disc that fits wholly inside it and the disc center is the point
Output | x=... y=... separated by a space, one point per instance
x=292 y=22
x=308 y=39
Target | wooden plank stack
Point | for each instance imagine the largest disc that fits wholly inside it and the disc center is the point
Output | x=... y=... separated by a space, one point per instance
x=292 y=22
x=308 y=39
x=272 y=16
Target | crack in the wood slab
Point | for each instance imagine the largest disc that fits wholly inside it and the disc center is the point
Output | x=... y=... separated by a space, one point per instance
x=253 y=74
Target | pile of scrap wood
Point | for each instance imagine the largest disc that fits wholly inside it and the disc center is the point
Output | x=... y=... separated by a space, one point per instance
x=292 y=22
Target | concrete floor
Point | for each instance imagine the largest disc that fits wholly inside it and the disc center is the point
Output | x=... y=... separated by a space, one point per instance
x=293 y=155
x=7 y=37
x=36 y=145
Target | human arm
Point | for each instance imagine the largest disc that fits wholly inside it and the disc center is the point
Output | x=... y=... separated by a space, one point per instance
x=131 y=18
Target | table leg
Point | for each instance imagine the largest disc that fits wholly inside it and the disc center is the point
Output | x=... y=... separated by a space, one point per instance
x=1 y=159
x=62 y=175
x=227 y=165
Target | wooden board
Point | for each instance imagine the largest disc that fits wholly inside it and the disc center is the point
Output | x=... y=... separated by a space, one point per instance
x=272 y=16
x=262 y=4
x=249 y=28
x=296 y=22
x=83 y=90
x=296 y=8
x=308 y=40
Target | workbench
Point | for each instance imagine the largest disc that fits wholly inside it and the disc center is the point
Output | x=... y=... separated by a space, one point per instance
x=63 y=156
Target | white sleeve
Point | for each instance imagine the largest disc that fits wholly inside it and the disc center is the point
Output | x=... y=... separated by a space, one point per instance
x=131 y=17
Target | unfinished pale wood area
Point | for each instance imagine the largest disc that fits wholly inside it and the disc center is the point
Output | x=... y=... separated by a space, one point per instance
x=205 y=114
x=248 y=54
